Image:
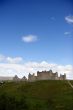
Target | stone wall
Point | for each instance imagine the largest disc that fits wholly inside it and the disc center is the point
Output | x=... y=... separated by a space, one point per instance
x=32 y=77
x=46 y=75
x=43 y=75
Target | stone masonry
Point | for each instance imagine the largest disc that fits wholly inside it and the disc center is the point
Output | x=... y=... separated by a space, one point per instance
x=43 y=75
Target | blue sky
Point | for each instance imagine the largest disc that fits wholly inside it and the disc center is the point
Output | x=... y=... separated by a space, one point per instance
x=37 y=30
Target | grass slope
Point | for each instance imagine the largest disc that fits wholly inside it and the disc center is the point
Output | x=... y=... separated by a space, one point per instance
x=40 y=95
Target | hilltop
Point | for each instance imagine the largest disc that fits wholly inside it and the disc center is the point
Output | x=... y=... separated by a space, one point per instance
x=38 y=95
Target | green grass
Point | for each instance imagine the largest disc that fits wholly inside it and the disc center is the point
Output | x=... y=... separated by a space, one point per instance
x=39 y=95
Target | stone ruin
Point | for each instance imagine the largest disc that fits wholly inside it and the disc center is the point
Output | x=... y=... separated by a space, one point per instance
x=43 y=75
x=16 y=78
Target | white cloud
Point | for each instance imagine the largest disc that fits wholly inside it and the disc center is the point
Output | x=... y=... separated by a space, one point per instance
x=12 y=69
x=29 y=38
x=14 y=60
x=10 y=66
x=2 y=57
x=67 y=33
x=69 y=19
x=7 y=69
x=10 y=59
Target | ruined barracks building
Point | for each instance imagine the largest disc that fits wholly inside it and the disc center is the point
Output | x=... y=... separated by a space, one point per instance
x=16 y=78
x=44 y=75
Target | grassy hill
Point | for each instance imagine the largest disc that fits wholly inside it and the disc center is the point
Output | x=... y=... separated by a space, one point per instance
x=40 y=95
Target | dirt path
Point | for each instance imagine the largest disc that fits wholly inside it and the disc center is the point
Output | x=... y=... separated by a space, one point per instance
x=70 y=83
